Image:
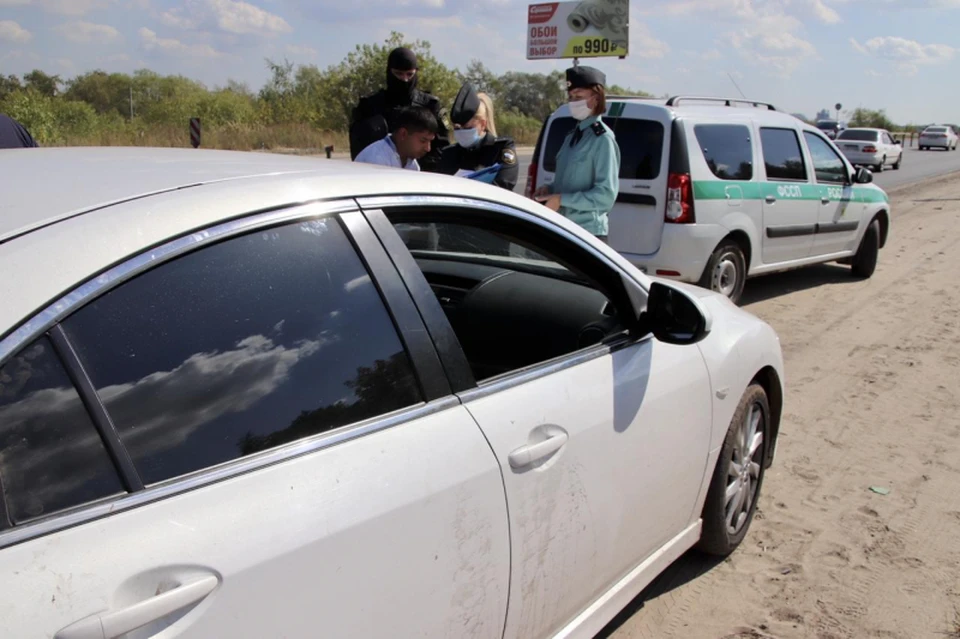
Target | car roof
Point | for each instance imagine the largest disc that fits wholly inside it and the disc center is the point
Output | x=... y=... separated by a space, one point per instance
x=45 y=185
x=714 y=111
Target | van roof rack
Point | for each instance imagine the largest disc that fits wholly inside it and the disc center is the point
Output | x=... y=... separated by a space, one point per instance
x=675 y=100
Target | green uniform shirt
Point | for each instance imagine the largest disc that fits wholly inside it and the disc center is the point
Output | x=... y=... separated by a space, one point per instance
x=588 y=175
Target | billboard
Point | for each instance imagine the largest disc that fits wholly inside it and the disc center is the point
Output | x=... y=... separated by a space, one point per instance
x=580 y=29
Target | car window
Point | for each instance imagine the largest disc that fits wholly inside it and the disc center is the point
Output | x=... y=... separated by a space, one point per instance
x=728 y=150
x=238 y=347
x=887 y=139
x=51 y=454
x=641 y=147
x=936 y=129
x=781 y=154
x=859 y=136
x=640 y=142
x=827 y=165
x=510 y=301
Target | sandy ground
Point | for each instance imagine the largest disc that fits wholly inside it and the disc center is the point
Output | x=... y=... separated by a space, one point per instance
x=872 y=401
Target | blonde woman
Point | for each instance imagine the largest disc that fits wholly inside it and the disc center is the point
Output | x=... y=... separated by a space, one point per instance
x=477 y=145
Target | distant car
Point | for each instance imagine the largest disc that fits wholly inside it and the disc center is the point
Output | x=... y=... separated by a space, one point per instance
x=248 y=395
x=940 y=137
x=830 y=128
x=874 y=148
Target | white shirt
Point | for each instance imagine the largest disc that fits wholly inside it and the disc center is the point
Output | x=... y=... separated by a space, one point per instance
x=385 y=152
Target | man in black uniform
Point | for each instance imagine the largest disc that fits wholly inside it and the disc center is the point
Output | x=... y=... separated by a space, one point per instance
x=477 y=147
x=373 y=117
x=14 y=135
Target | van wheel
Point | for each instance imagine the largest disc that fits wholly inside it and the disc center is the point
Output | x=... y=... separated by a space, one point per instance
x=865 y=261
x=726 y=272
x=735 y=487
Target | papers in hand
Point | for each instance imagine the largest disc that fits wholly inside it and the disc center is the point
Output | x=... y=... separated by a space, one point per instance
x=487 y=175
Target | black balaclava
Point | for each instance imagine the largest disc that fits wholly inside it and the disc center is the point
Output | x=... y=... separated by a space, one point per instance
x=398 y=91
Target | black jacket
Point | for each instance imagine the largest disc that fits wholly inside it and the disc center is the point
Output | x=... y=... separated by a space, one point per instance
x=490 y=151
x=372 y=120
x=14 y=135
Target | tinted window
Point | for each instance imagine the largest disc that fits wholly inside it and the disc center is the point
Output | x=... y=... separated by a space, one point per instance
x=826 y=125
x=245 y=345
x=827 y=165
x=781 y=154
x=863 y=136
x=641 y=148
x=936 y=129
x=640 y=142
x=727 y=150
x=51 y=455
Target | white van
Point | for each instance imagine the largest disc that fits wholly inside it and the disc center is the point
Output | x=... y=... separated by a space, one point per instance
x=716 y=190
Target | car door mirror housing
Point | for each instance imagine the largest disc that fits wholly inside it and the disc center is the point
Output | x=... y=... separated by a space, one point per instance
x=673 y=316
x=862 y=175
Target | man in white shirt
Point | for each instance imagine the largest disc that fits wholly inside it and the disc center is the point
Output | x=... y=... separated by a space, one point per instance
x=414 y=130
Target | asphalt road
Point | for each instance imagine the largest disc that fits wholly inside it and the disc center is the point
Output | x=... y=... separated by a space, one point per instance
x=917 y=165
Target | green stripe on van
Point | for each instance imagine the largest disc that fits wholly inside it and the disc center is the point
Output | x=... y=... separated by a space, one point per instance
x=736 y=189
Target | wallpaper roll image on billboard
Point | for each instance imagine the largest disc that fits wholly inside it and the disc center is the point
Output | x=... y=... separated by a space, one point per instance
x=580 y=29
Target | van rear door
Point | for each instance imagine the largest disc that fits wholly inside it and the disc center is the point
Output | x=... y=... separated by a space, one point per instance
x=643 y=135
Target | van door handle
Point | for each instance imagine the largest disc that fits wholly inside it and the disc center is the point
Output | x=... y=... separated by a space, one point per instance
x=770 y=199
x=526 y=455
x=109 y=625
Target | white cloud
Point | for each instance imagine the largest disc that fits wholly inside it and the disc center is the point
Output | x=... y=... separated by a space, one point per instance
x=13 y=3
x=72 y=7
x=824 y=13
x=907 y=56
x=87 y=32
x=644 y=44
x=228 y=16
x=151 y=42
x=297 y=50
x=10 y=31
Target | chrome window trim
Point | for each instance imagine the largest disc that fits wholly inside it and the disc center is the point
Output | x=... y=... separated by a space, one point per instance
x=130 y=267
x=214 y=474
x=523 y=376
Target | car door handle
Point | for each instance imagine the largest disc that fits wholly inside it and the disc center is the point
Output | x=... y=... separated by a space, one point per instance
x=109 y=625
x=526 y=455
x=770 y=199
x=825 y=200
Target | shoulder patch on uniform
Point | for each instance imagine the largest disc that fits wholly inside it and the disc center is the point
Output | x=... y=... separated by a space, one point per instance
x=598 y=129
x=508 y=156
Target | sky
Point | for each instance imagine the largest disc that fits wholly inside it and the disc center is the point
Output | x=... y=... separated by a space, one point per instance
x=902 y=56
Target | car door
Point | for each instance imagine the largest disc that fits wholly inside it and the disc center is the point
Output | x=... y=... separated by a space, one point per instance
x=891 y=149
x=246 y=441
x=840 y=208
x=790 y=201
x=602 y=438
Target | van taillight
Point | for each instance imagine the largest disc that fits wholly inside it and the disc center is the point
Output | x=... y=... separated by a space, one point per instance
x=531 y=179
x=679 y=208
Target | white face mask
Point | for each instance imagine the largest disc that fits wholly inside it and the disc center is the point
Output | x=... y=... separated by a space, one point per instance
x=580 y=110
x=467 y=138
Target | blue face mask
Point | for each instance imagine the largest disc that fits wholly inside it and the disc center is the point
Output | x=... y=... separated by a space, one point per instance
x=467 y=138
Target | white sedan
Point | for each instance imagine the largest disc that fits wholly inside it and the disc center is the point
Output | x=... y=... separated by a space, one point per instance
x=938 y=137
x=870 y=147
x=246 y=395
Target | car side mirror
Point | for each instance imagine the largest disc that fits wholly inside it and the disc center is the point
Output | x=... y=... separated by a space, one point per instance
x=673 y=316
x=862 y=176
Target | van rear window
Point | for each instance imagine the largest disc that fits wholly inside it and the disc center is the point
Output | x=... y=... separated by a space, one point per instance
x=727 y=150
x=640 y=142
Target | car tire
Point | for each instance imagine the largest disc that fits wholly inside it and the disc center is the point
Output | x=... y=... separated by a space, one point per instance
x=865 y=261
x=735 y=487
x=896 y=167
x=726 y=271
x=879 y=167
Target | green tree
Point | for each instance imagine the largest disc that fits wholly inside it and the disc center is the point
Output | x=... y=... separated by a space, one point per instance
x=872 y=119
x=615 y=89
x=482 y=78
x=9 y=84
x=533 y=94
x=105 y=92
x=48 y=85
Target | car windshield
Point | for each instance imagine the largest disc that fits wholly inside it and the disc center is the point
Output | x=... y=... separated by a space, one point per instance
x=936 y=129
x=853 y=134
x=826 y=125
